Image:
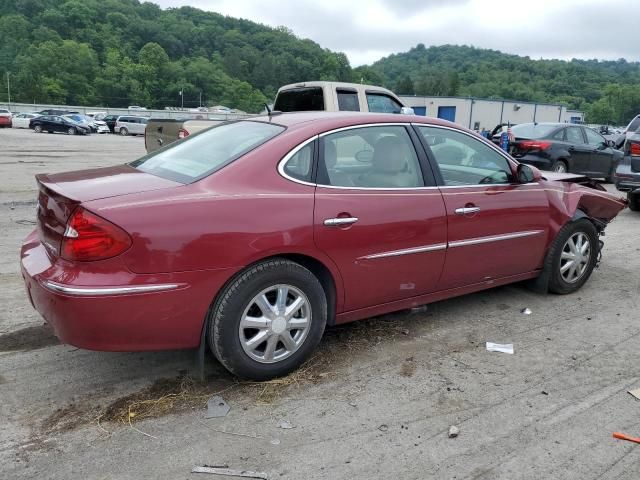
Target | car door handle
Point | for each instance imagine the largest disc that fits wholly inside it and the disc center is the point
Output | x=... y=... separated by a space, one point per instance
x=338 y=222
x=467 y=210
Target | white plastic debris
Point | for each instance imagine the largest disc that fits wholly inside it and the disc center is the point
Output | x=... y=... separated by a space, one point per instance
x=526 y=311
x=500 y=347
x=635 y=393
x=217 y=407
x=285 y=425
x=453 y=431
x=229 y=472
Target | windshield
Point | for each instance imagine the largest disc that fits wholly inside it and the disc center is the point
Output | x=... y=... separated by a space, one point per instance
x=532 y=130
x=75 y=118
x=206 y=152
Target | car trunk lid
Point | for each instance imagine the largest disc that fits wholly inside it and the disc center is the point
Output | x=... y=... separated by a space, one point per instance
x=59 y=194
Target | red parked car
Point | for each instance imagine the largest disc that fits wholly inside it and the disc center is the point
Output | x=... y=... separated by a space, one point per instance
x=254 y=235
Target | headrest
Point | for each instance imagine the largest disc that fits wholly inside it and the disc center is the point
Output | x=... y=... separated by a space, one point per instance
x=388 y=156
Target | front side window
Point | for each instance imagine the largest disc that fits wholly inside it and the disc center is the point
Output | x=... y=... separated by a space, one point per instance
x=382 y=103
x=594 y=138
x=301 y=99
x=465 y=160
x=370 y=157
x=208 y=151
x=348 y=100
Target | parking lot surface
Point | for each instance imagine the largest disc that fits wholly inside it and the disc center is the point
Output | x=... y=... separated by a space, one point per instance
x=375 y=402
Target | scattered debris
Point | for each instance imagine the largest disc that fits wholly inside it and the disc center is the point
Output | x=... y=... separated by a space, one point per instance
x=635 y=392
x=622 y=436
x=275 y=441
x=420 y=309
x=285 y=425
x=453 y=431
x=544 y=393
x=353 y=404
x=383 y=427
x=500 y=347
x=404 y=331
x=217 y=407
x=230 y=472
x=526 y=311
x=408 y=367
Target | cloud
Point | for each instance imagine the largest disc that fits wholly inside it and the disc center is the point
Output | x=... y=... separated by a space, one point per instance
x=367 y=30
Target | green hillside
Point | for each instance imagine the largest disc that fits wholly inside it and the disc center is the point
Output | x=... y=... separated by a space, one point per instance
x=123 y=52
x=608 y=90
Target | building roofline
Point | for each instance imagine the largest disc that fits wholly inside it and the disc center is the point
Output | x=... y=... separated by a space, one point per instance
x=491 y=100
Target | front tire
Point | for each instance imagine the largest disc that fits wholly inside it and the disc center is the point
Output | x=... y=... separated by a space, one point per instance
x=37 y=129
x=124 y=132
x=634 y=201
x=268 y=320
x=71 y=131
x=572 y=257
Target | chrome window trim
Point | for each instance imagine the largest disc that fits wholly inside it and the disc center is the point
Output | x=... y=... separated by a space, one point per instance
x=105 y=291
x=405 y=251
x=494 y=238
x=288 y=156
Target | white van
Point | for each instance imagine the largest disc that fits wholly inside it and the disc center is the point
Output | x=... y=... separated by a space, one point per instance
x=130 y=125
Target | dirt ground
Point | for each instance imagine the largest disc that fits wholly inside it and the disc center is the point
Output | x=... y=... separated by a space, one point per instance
x=376 y=401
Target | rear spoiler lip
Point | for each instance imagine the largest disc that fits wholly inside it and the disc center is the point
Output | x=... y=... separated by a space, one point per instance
x=53 y=189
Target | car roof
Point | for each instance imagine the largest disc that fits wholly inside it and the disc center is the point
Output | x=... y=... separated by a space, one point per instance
x=322 y=120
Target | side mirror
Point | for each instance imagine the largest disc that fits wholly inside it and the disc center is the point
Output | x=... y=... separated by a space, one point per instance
x=528 y=173
x=611 y=143
x=407 y=111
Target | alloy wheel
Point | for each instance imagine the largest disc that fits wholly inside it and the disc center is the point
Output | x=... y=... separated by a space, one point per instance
x=560 y=167
x=575 y=257
x=275 y=323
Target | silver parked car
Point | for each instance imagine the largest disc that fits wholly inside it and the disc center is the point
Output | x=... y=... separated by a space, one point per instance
x=130 y=125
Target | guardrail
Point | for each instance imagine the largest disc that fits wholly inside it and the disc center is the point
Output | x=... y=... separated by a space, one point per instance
x=176 y=114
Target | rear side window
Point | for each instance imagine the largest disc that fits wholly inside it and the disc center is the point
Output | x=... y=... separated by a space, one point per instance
x=574 y=135
x=532 y=130
x=348 y=100
x=302 y=99
x=206 y=152
x=382 y=103
x=370 y=157
x=594 y=138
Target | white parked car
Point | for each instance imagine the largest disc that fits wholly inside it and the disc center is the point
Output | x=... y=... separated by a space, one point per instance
x=130 y=125
x=22 y=119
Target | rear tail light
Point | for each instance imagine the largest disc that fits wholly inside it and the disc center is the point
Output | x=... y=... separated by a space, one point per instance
x=634 y=149
x=533 y=145
x=89 y=237
x=182 y=133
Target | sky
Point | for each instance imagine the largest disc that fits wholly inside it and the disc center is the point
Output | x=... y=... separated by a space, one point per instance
x=367 y=30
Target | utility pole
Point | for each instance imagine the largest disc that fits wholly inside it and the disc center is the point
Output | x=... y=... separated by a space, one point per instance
x=182 y=99
x=8 y=91
x=200 y=98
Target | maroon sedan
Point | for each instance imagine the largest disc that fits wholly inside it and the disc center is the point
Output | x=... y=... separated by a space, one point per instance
x=254 y=235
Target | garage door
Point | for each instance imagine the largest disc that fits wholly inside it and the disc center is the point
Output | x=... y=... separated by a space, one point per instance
x=447 y=113
x=420 y=111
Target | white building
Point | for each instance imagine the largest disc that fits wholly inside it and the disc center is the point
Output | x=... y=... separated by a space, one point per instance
x=476 y=114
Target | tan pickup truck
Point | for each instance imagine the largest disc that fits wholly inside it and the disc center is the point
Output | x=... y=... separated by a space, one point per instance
x=297 y=97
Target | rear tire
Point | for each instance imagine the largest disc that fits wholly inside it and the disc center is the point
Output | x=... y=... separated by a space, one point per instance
x=71 y=131
x=254 y=298
x=37 y=129
x=559 y=166
x=572 y=256
x=124 y=132
x=634 y=201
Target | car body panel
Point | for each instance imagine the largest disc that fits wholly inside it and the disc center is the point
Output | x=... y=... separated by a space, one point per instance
x=198 y=236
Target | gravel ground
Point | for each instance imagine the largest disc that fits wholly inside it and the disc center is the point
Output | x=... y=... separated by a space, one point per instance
x=377 y=401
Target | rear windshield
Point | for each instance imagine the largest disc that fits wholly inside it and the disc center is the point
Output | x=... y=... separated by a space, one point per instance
x=531 y=130
x=634 y=125
x=302 y=99
x=206 y=152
